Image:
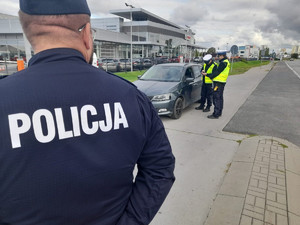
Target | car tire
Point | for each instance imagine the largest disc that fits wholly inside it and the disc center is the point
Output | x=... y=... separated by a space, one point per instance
x=177 y=110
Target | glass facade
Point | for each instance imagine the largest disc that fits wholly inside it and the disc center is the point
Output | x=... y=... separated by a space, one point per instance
x=150 y=39
x=113 y=38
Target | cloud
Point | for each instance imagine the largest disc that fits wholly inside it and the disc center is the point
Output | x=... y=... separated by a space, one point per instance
x=285 y=19
x=188 y=13
x=9 y=7
x=216 y=23
x=241 y=22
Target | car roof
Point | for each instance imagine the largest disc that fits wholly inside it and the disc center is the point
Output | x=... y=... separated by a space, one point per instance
x=179 y=64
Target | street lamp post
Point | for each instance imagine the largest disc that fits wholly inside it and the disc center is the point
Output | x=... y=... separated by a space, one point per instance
x=131 y=7
x=187 y=43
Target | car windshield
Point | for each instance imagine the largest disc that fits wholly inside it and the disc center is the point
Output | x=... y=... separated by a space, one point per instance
x=163 y=73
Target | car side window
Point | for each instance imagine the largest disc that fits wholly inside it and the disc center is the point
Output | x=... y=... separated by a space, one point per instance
x=197 y=72
x=189 y=73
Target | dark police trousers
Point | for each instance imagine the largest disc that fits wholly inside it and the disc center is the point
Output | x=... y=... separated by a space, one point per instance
x=218 y=99
x=206 y=94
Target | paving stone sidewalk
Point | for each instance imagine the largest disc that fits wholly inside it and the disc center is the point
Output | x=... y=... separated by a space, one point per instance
x=262 y=186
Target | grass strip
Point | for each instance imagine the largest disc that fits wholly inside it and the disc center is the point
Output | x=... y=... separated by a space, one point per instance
x=130 y=76
x=243 y=66
x=237 y=68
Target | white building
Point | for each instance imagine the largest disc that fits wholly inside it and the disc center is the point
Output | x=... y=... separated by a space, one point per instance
x=296 y=50
x=151 y=36
x=248 y=51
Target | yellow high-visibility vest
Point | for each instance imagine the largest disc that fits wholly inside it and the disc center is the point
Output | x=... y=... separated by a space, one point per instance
x=209 y=71
x=222 y=77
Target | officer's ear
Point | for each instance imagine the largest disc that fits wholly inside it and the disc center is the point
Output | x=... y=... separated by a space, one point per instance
x=87 y=36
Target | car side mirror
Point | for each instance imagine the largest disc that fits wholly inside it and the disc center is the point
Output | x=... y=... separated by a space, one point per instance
x=189 y=79
x=139 y=76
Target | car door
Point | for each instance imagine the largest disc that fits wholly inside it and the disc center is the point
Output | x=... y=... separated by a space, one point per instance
x=197 y=84
x=193 y=84
x=188 y=88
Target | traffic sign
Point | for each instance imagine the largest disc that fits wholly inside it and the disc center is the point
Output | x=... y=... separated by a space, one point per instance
x=234 y=50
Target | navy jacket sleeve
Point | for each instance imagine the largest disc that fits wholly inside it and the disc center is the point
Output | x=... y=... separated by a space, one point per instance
x=215 y=69
x=155 y=171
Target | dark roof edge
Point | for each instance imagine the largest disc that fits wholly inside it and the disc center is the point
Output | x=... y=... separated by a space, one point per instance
x=115 y=12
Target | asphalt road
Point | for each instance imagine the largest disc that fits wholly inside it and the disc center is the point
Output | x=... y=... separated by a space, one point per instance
x=273 y=109
x=203 y=153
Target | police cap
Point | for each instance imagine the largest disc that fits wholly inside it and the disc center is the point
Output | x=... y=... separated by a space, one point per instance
x=207 y=57
x=221 y=52
x=54 y=7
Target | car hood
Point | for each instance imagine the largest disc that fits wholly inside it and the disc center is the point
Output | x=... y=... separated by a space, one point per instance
x=151 y=88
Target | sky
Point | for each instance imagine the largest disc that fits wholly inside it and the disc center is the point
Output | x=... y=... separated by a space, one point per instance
x=219 y=23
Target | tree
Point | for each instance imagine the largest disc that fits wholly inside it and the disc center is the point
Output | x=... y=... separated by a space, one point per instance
x=211 y=50
x=267 y=53
x=160 y=51
x=168 y=47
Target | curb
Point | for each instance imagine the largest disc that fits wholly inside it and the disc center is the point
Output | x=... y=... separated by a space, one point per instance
x=262 y=185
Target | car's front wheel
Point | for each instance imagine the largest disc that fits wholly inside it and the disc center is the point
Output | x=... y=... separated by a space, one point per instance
x=177 y=110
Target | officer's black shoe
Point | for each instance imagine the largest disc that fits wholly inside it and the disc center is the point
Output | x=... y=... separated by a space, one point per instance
x=200 y=107
x=207 y=109
x=212 y=116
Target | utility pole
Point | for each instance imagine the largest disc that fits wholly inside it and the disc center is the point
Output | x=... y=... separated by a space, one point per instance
x=131 y=7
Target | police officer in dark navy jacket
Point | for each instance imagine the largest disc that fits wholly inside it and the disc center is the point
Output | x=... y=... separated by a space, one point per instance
x=71 y=134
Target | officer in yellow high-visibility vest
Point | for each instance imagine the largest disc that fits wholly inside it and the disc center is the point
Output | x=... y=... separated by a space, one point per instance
x=207 y=86
x=219 y=78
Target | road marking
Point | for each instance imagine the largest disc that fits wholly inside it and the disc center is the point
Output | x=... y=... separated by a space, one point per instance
x=292 y=70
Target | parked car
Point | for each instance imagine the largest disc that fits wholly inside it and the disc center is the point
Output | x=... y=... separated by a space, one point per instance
x=109 y=65
x=161 y=60
x=137 y=64
x=171 y=87
x=147 y=63
x=197 y=59
x=117 y=65
x=125 y=64
x=174 y=59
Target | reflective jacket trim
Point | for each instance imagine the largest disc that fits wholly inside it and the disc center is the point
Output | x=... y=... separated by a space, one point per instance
x=222 y=77
x=210 y=69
